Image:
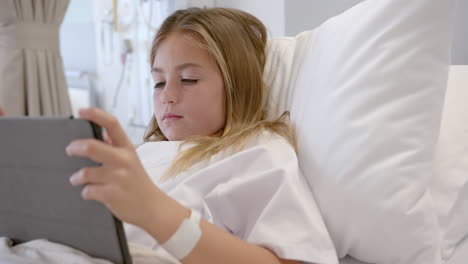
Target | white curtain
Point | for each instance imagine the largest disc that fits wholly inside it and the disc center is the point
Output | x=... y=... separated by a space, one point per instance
x=32 y=79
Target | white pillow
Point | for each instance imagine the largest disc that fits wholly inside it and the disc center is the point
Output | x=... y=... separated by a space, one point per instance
x=365 y=90
x=450 y=184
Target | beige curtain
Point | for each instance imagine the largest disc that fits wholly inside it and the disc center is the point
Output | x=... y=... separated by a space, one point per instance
x=32 y=79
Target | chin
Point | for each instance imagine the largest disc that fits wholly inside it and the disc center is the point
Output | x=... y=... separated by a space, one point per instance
x=173 y=137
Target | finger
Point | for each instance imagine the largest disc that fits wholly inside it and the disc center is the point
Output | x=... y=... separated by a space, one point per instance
x=94 y=192
x=92 y=175
x=102 y=193
x=98 y=151
x=106 y=138
x=2 y=113
x=110 y=123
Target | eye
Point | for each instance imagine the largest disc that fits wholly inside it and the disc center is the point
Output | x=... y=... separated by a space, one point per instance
x=190 y=81
x=159 y=85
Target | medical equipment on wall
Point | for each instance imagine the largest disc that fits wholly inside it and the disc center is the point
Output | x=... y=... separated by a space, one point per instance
x=125 y=15
x=127 y=50
x=106 y=37
x=118 y=18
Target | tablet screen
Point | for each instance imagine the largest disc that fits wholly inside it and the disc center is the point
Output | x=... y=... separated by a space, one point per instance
x=36 y=199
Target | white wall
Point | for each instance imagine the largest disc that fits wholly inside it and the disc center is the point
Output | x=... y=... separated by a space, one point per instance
x=460 y=41
x=307 y=14
x=270 y=12
x=77 y=42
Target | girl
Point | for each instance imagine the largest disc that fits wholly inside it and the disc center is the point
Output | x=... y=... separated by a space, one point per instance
x=231 y=166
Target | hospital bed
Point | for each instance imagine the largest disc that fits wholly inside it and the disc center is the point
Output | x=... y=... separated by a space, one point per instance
x=460 y=256
x=82 y=89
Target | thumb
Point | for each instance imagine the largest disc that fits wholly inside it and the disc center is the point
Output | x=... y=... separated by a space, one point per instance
x=2 y=113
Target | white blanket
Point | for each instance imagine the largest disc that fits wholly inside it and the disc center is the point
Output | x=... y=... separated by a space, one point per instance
x=45 y=252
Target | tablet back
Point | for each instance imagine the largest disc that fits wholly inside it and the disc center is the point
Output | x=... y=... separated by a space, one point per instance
x=36 y=199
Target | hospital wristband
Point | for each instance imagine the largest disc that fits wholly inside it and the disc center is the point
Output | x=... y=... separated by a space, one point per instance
x=184 y=240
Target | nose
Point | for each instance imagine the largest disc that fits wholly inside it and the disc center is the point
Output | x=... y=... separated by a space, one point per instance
x=170 y=94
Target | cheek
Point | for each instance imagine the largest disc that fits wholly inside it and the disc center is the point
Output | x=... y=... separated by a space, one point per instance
x=219 y=103
x=156 y=104
x=210 y=110
x=155 y=99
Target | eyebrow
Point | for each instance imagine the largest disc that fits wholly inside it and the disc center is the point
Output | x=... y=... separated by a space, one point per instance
x=179 y=67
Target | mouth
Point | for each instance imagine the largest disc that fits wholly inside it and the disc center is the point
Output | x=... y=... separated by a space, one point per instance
x=171 y=117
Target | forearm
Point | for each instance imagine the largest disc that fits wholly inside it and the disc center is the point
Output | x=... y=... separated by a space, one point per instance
x=215 y=245
x=218 y=246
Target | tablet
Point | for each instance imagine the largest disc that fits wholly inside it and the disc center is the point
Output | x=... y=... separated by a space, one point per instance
x=37 y=200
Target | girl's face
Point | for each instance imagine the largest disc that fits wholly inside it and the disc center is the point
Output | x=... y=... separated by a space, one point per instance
x=189 y=91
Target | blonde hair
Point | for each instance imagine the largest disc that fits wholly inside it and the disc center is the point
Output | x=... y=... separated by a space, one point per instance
x=237 y=42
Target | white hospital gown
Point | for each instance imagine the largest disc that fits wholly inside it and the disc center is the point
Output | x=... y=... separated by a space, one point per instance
x=257 y=194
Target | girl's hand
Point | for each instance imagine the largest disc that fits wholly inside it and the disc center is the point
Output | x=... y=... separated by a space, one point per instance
x=121 y=183
x=2 y=113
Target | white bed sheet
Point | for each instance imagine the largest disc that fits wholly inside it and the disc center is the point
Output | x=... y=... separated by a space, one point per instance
x=459 y=257
x=461 y=254
x=45 y=252
x=349 y=260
